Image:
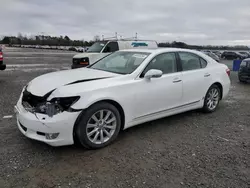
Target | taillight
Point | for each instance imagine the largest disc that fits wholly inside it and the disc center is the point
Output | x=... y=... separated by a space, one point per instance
x=228 y=72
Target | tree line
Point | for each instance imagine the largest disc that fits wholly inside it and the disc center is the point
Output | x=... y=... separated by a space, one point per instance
x=43 y=40
x=66 y=41
x=176 y=44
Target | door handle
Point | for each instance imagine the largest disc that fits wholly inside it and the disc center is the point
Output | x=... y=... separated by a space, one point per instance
x=176 y=80
x=206 y=75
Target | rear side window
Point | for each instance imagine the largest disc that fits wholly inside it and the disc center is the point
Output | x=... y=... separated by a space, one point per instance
x=203 y=63
x=191 y=61
x=111 y=47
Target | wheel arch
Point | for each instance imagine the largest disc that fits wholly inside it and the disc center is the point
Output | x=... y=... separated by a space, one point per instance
x=110 y=101
x=220 y=87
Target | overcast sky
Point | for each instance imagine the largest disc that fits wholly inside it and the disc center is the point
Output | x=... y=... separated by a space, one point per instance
x=192 y=21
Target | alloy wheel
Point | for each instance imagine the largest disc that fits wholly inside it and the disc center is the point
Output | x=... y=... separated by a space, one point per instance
x=213 y=99
x=101 y=126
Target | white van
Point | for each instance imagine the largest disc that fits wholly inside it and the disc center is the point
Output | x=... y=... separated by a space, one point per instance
x=102 y=48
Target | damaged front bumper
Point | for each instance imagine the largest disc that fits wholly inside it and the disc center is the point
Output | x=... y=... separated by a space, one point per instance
x=55 y=131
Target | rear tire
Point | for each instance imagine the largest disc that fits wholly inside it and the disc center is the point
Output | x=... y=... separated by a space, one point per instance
x=98 y=126
x=212 y=99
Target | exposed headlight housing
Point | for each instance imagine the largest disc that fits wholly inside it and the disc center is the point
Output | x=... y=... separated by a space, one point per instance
x=56 y=105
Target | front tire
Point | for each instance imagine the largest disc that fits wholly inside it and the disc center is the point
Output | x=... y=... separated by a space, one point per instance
x=98 y=126
x=242 y=81
x=212 y=99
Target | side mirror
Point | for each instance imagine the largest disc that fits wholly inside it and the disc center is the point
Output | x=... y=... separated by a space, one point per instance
x=153 y=73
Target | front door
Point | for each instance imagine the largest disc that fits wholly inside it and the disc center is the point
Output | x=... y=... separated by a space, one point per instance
x=159 y=94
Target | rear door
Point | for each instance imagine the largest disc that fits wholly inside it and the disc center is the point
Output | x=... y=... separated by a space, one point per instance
x=195 y=76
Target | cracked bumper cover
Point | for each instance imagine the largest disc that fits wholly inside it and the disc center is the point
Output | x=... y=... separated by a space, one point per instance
x=34 y=124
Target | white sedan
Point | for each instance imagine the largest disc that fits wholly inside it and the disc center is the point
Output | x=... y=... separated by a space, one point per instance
x=92 y=105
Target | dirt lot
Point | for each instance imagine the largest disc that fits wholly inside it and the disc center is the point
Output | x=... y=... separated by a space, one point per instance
x=187 y=150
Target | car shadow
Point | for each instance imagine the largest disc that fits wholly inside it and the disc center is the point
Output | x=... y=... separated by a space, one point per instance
x=159 y=124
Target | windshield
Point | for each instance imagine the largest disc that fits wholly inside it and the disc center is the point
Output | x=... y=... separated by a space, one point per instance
x=97 y=47
x=245 y=63
x=121 y=62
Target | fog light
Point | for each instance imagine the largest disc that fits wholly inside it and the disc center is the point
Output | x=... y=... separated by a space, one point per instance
x=51 y=136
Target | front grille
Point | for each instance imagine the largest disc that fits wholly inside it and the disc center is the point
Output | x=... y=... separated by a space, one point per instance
x=40 y=133
x=81 y=61
x=76 y=61
x=32 y=100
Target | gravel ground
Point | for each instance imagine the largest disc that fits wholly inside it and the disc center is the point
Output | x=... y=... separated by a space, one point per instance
x=187 y=150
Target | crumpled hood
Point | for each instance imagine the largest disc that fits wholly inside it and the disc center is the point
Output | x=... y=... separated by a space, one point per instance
x=48 y=82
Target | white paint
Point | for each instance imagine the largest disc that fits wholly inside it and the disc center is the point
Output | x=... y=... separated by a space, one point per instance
x=38 y=53
x=29 y=65
x=33 y=57
x=36 y=67
x=141 y=99
x=32 y=70
x=7 y=117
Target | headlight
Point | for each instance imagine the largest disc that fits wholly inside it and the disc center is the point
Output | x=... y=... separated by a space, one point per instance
x=65 y=102
x=56 y=105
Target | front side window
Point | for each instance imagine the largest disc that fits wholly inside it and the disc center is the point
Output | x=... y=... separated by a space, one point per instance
x=120 y=62
x=189 y=61
x=111 y=47
x=96 y=47
x=245 y=64
x=165 y=62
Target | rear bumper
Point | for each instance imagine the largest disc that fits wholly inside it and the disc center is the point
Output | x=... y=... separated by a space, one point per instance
x=226 y=88
x=2 y=66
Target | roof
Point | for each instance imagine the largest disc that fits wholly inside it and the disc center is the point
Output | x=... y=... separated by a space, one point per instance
x=155 y=50
x=124 y=40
